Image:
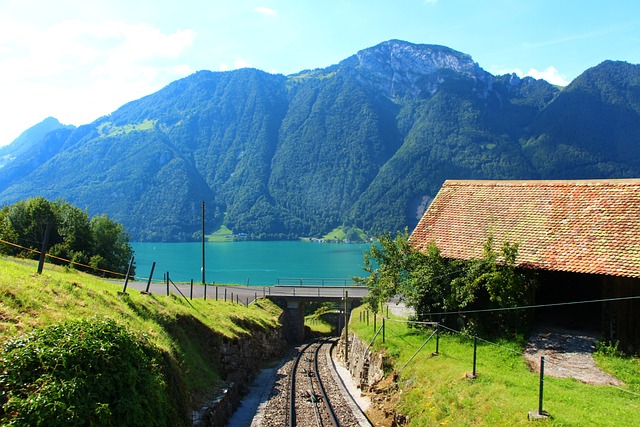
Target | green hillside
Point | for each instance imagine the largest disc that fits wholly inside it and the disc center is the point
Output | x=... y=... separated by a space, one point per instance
x=50 y=323
x=365 y=143
x=435 y=390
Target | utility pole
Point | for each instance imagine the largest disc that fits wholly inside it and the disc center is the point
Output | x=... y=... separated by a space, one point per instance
x=203 y=270
x=346 y=326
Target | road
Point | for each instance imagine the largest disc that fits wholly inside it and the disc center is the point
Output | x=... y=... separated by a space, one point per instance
x=246 y=294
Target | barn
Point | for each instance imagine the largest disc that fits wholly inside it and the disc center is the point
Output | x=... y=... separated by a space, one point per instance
x=581 y=236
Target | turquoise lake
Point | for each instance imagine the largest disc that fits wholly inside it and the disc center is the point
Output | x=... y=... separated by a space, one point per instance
x=254 y=263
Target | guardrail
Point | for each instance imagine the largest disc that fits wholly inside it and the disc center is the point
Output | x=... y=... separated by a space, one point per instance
x=301 y=281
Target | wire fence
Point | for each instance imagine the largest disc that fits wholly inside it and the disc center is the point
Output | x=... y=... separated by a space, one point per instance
x=379 y=322
x=68 y=262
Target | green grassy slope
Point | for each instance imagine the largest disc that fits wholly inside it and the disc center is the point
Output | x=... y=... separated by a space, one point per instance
x=434 y=390
x=185 y=333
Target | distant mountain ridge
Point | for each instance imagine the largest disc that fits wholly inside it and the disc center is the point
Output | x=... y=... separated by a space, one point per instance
x=363 y=143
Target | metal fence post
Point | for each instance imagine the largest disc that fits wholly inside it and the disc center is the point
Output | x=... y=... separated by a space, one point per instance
x=383 y=330
x=45 y=244
x=346 y=326
x=540 y=398
x=375 y=320
x=475 y=352
x=153 y=267
x=126 y=279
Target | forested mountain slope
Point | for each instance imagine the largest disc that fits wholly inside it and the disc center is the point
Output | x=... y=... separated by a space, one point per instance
x=366 y=142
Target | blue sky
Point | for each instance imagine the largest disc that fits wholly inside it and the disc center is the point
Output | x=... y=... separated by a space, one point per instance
x=77 y=60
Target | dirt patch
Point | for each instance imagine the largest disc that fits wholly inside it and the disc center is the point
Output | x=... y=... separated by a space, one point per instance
x=384 y=398
x=567 y=354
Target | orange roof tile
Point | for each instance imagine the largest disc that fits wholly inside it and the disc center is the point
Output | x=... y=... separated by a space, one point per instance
x=583 y=226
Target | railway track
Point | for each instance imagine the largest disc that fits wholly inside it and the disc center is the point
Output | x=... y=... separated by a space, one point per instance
x=306 y=392
x=308 y=399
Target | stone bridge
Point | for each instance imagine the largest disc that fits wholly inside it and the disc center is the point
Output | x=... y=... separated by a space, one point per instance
x=293 y=298
x=290 y=297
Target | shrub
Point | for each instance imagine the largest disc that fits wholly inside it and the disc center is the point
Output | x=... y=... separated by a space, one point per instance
x=88 y=372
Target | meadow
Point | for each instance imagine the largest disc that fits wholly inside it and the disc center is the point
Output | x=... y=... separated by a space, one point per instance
x=436 y=389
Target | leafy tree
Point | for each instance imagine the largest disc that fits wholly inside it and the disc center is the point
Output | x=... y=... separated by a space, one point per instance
x=28 y=219
x=111 y=244
x=7 y=232
x=433 y=285
x=99 y=242
x=494 y=282
x=389 y=263
x=74 y=233
x=429 y=287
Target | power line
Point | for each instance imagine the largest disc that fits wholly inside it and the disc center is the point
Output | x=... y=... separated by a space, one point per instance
x=528 y=307
x=64 y=260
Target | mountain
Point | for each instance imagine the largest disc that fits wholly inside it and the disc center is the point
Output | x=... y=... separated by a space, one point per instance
x=30 y=150
x=364 y=143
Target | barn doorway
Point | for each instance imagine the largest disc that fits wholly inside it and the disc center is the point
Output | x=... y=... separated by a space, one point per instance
x=571 y=290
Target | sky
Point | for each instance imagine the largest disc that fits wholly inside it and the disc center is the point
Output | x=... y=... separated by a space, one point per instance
x=78 y=60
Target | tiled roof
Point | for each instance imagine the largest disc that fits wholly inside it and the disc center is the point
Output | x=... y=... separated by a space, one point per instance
x=585 y=226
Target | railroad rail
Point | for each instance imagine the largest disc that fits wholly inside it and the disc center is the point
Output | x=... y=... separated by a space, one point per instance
x=307 y=392
x=308 y=399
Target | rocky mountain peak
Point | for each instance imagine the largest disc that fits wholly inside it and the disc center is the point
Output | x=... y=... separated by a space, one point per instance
x=399 y=68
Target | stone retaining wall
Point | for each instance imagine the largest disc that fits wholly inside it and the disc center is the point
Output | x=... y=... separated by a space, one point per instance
x=366 y=367
x=240 y=359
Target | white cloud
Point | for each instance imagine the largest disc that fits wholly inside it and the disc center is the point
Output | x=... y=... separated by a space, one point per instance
x=551 y=75
x=266 y=11
x=77 y=71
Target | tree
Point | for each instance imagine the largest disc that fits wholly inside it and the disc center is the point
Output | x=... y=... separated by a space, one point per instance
x=7 y=232
x=111 y=243
x=431 y=284
x=28 y=221
x=429 y=288
x=495 y=282
x=389 y=264
x=99 y=242
x=74 y=231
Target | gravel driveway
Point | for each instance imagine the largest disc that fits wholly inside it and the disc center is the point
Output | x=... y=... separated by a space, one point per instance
x=567 y=354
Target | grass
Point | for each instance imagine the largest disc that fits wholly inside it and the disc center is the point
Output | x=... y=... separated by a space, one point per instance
x=110 y=129
x=318 y=325
x=339 y=235
x=29 y=301
x=435 y=390
x=223 y=234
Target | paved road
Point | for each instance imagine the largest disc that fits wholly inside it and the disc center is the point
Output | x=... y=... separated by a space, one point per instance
x=246 y=294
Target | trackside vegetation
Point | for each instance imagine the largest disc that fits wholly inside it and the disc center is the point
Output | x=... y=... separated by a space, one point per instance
x=74 y=351
x=433 y=285
x=434 y=390
x=432 y=384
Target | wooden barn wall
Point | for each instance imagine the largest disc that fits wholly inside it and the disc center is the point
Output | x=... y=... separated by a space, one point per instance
x=621 y=319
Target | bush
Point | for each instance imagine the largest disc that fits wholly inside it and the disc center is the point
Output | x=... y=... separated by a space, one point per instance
x=89 y=372
x=451 y=291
